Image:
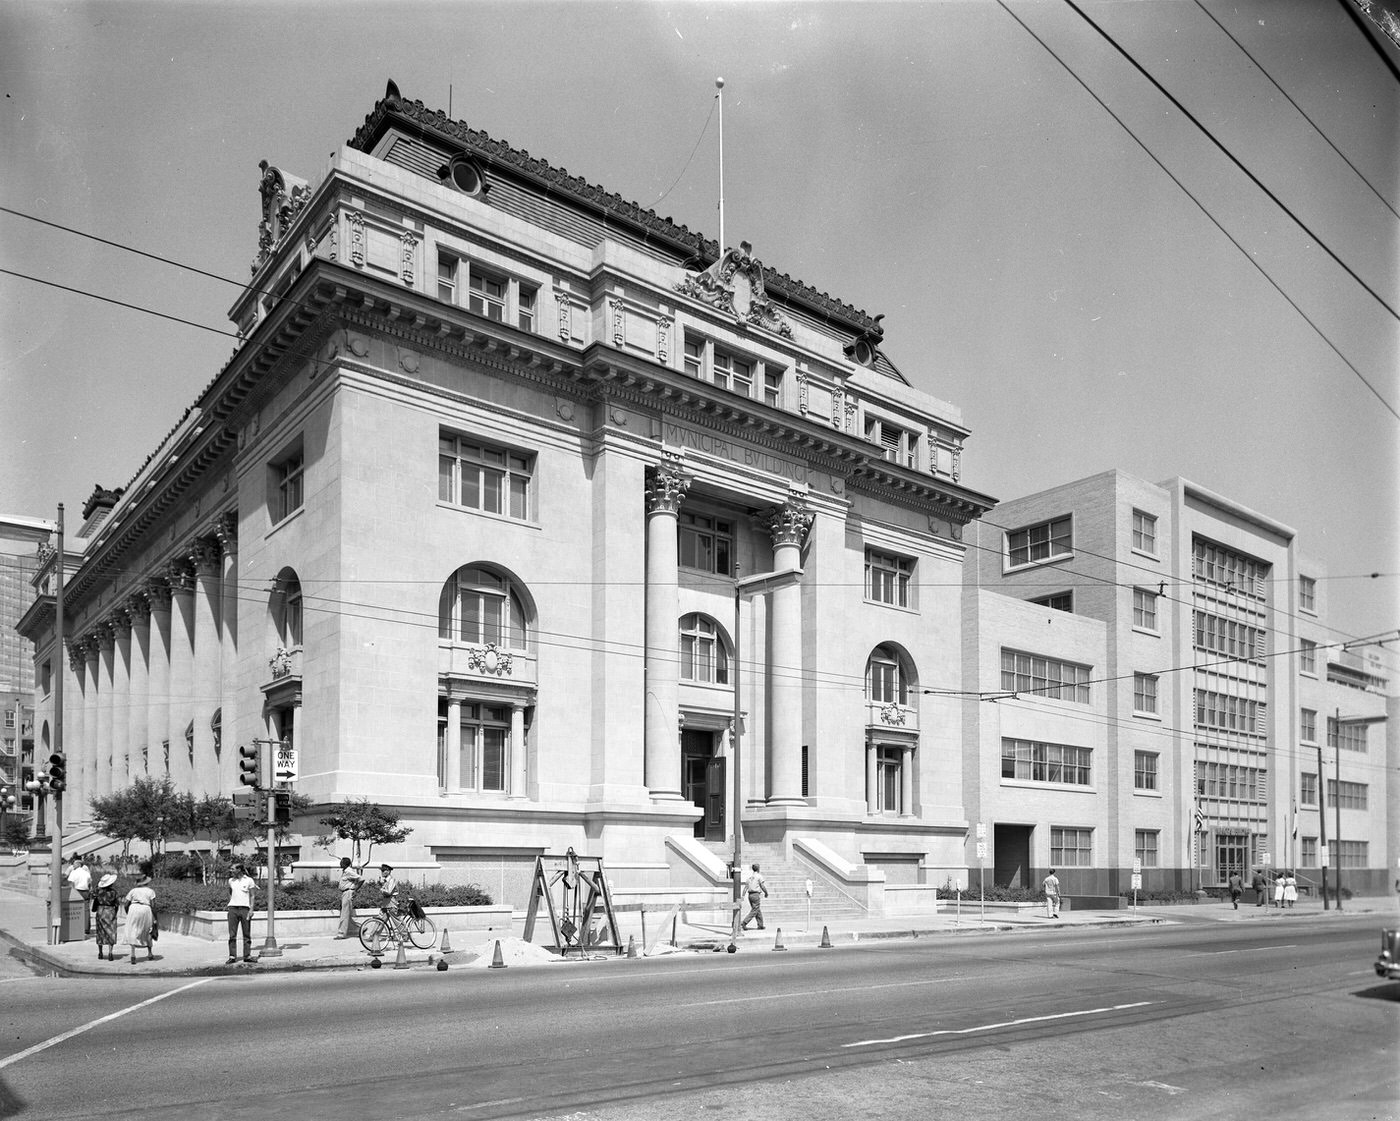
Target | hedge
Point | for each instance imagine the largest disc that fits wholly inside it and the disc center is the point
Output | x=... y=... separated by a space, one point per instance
x=315 y=894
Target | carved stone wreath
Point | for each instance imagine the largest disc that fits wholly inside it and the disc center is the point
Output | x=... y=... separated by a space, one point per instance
x=489 y=659
x=892 y=714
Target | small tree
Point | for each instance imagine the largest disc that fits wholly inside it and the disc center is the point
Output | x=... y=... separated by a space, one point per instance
x=118 y=816
x=360 y=820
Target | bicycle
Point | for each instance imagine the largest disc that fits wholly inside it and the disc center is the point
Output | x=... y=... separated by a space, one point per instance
x=411 y=925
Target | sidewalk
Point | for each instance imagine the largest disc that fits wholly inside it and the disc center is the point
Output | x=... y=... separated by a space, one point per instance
x=23 y=919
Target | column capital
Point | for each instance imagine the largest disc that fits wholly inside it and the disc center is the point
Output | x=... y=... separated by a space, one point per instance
x=157 y=594
x=102 y=637
x=77 y=653
x=666 y=486
x=788 y=524
x=204 y=556
x=138 y=609
x=226 y=530
x=120 y=623
x=180 y=576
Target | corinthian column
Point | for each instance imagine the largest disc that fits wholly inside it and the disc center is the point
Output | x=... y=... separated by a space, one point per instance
x=181 y=710
x=788 y=525
x=102 y=742
x=157 y=593
x=227 y=531
x=121 y=697
x=205 y=690
x=75 y=803
x=91 y=663
x=138 y=613
x=665 y=490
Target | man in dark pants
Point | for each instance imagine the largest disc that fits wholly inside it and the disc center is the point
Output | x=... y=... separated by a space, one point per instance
x=1260 y=886
x=1236 y=888
x=756 y=887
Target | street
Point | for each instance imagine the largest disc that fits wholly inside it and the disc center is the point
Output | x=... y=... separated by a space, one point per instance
x=1192 y=1020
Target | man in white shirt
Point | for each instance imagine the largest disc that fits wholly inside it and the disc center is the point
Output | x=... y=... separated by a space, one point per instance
x=241 y=890
x=79 y=878
x=1051 y=885
x=756 y=887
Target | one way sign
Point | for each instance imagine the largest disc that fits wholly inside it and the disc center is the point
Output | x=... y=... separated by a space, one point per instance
x=284 y=764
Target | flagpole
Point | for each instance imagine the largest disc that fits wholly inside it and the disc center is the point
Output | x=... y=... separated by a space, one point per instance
x=719 y=85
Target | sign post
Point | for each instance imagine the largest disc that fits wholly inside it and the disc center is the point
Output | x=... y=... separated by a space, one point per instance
x=1137 y=880
x=982 y=871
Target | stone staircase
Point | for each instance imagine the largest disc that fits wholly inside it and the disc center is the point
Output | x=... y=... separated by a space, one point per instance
x=787 y=892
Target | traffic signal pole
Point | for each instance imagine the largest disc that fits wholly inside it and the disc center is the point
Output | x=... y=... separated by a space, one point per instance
x=56 y=848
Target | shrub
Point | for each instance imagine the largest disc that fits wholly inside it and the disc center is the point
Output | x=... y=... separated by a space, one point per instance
x=316 y=894
x=995 y=893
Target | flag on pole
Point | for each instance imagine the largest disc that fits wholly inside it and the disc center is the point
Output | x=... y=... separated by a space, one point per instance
x=1295 y=819
x=1200 y=821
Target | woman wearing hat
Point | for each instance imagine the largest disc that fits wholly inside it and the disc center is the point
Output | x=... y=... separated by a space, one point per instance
x=141 y=916
x=104 y=906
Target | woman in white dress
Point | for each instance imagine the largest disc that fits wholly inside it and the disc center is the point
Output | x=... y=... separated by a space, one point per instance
x=140 y=906
x=1290 y=888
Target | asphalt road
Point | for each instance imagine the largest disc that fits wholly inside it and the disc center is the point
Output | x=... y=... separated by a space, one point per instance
x=1189 y=1021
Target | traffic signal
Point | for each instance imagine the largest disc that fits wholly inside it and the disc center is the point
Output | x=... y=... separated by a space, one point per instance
x=245 y=805
x=283 y=812
x=58 y=772
x=250 y=764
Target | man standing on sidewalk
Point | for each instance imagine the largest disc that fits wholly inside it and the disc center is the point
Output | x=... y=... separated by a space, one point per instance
x=350 y=879
x=1051 y=884
x=756 y=887
x=1236 y=888
x=241 y=889
x=80 y=880
x=1261 y=887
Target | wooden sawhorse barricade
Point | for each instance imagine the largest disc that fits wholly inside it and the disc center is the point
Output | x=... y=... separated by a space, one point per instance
x=583 y=899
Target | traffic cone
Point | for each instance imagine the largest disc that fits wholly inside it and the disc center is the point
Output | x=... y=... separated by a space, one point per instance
x=778 y=941
x=401 y=962
x=826 y=940
x=375 y=949
x=497 y=962
x=631 y=946
x=446 y=946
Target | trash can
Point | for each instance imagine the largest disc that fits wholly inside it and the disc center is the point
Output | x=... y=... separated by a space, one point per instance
x=72 y=914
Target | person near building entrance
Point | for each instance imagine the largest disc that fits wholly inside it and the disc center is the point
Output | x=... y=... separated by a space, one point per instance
x=756 y=887
x=241 y=889
x=1051 y=884
x=1260 y=884
x=1278 y=889
x=350 y=879
x=1290 y=888
x=79 y=878
x=1236 y=888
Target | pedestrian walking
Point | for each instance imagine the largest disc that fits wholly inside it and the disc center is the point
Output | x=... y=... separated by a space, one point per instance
x=1290 y=889
x=140 y=904
x=1260 y=884
x=1051 y=884
x=1278 y=890
x=1236 y=888
x=756 y=888
x=241 y=890
x=104 y=906
x=79 y=878
x=350 y=879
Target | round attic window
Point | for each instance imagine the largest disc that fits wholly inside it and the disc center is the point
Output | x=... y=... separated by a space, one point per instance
x=466 y=177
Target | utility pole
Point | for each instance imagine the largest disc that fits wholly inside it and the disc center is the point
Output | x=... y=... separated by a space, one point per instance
x=1337 y=804
x=270 y=948
x=1322 y=822
x=56 y=849
x=735 y=810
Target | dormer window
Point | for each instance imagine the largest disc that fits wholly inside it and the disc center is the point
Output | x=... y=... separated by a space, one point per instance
x=466 y=175
x=897 y=444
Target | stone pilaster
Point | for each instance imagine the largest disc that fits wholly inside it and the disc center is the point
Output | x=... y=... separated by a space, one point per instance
x=788 y=524
x=205 y=693
x=121 y=698
x=181 y=710
x=102 y=742
x=666 y=486
x=157 y=596
x=227 y=532
x=138 y=614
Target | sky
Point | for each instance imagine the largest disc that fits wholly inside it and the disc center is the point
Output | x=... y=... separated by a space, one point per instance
x=1057 y=249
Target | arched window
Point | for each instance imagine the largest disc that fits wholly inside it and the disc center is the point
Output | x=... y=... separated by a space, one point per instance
x=480 y=605
x=286 y=608
x=704 y=655
x=885 y=681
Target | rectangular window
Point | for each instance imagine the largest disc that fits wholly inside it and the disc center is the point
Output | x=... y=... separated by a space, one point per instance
x=887 y=578
x=526 y=301
x=898 y=445
x=1232 y=571
x=1309 y=852
x=889 y=765
x=1229 y=637
x=485 y=755
x=1353 y=737
x=1307 y=725
x=1145 y=847
x=1057 y=601
x=1031 y=761
x=703 y=360
x=1347 y=795
x=487 y=296
x=1145 y=692
x=694 y=356
x=483 y=477
x=1046 y=677
x=447 y=278
x=773 y=385
x=287 y=485
x=1144 y=533
x=1144 y=770
x=1042 y=542
x=1230 y=781
x=1354 y=854
x=1230 y=713
x=1307 y=657
x=1307 y=593
x=1307 y=789
x=1144 y=609
x=705 y=543
x=1071 y=848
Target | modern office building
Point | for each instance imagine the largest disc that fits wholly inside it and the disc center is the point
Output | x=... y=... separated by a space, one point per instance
x=547 y=523
x=1159 y=696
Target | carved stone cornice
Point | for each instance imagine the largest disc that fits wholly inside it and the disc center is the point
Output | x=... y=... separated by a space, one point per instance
x=666 y=486
x=788 y=524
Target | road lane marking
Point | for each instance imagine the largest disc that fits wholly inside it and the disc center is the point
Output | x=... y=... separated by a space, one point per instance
x=767 y=997
x=1168 y=1087
x=56 y=1040
x=1253 y=950
x=1003 y=1024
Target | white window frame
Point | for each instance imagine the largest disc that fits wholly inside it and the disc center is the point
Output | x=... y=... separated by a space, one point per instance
x=1044 y=677
x=1307 y=594
x=1146 y=771
x=1307 y=725
x=500 y=615
x=1307 y=657
x=702 y=358
x=898 y=444
x=1042 y=543
x=288 y=483
x=1144 y=533
x=1147 y=847
x=1145 y=610
x=704 y=653
x=885 y=679
x=702 y=536
x=1082 y=851
x=1145 y=694
x=503 y=478
x=888 y=578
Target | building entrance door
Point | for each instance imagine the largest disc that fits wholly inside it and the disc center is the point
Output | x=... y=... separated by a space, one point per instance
x=1231 y=855
x=1011 y=855
x=702 y=776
